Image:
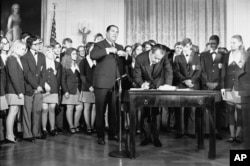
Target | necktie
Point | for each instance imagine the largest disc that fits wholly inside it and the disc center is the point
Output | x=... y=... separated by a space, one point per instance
x=213 y=55
x=35 y=56
x=152 y=69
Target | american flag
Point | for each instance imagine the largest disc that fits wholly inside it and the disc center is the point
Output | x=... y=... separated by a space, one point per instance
x=53 y=28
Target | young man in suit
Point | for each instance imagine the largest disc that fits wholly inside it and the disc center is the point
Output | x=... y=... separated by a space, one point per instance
x=187 y=72
x=152 y=69
x=211 y=76
x=111 y=60
x=34 y=66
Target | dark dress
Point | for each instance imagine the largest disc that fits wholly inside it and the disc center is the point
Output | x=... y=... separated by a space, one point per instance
x=52 y=78
x=3 y=101
x=71 y=83
x=15 y=81
x=87 y=81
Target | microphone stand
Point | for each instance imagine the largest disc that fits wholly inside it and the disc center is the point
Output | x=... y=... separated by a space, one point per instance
x=120 y=153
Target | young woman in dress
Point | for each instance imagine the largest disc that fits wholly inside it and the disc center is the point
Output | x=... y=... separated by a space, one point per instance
x=87 y=66
x=50 y=97
x=234 y=66
x=4 y=47
x=71 y=85
x=14 y=86
x=137 y=50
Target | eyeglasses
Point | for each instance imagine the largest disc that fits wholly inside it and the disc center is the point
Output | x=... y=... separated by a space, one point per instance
x=37 y=43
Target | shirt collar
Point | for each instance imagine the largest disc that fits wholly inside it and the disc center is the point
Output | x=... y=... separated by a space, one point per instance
x=33 y=52
x=90 y=61
x=211 y=51
x=150 y=59
x=110 y=43
x=4 y=58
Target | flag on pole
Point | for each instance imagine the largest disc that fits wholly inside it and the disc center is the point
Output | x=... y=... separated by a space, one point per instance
x=53 y=28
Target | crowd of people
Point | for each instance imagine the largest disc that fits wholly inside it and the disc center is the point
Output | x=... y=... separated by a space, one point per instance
x=76 y=89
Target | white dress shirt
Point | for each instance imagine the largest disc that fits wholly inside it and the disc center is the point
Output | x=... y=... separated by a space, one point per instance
x=214 y=53
x=35 y=54
x=235 y=58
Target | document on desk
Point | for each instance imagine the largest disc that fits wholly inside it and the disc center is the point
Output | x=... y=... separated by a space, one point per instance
x=184 y=89
x=167 y=87
x=138 y=89
x=161 y=88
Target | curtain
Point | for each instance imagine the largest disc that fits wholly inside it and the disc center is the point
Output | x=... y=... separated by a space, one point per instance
x=169 y=21
x=44 y=20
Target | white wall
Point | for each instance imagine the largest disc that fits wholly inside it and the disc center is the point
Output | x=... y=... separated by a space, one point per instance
x=95 y=14
x=238 y=20
x=98 y=14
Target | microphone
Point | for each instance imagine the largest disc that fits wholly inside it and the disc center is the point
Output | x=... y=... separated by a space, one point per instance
x=123 y=76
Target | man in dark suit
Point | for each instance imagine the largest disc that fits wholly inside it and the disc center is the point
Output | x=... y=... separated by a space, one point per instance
x=244 y=88
x=110 y=65
x=34 y=67
x=152 y=69
x=187 y=72
x=211 y=76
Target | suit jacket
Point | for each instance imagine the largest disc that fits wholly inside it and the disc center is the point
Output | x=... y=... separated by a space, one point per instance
x=3 y=77
x=161 y=74
x=86 y=74
x=108 y=65
x=244 y=77
x=70 y=81
x=33 y=73
x=52 y=79
x=232 y=72
x=211 y=70
x=184 y=70
x=129 y=81
x=15 y=77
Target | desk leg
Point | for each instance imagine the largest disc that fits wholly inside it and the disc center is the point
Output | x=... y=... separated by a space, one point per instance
x=132 y=117
x=200 y=120
x=246 y=122
x=212 y=122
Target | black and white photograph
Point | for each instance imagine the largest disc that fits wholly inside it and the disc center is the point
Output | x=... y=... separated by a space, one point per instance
x=125 y=83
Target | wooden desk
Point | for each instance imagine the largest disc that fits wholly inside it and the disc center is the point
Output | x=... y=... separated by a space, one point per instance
x=192 y=98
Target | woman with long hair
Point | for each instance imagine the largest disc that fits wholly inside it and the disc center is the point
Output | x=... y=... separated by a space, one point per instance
x=71 y=85
x=137 y=50
x=4 y=47
x=87 y=66
x=234 y=65
x=15 y=86
x=50 y=97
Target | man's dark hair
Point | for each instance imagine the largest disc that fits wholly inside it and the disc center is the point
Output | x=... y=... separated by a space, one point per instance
x=186 y=41
x=30 y=41
x=177 y=44
x=110 y=26
x=158 y=47
x=153 y=42
x=216 y=38
x=25 y=34
x=146 y=43
x=98 y=35
x=67 y=40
